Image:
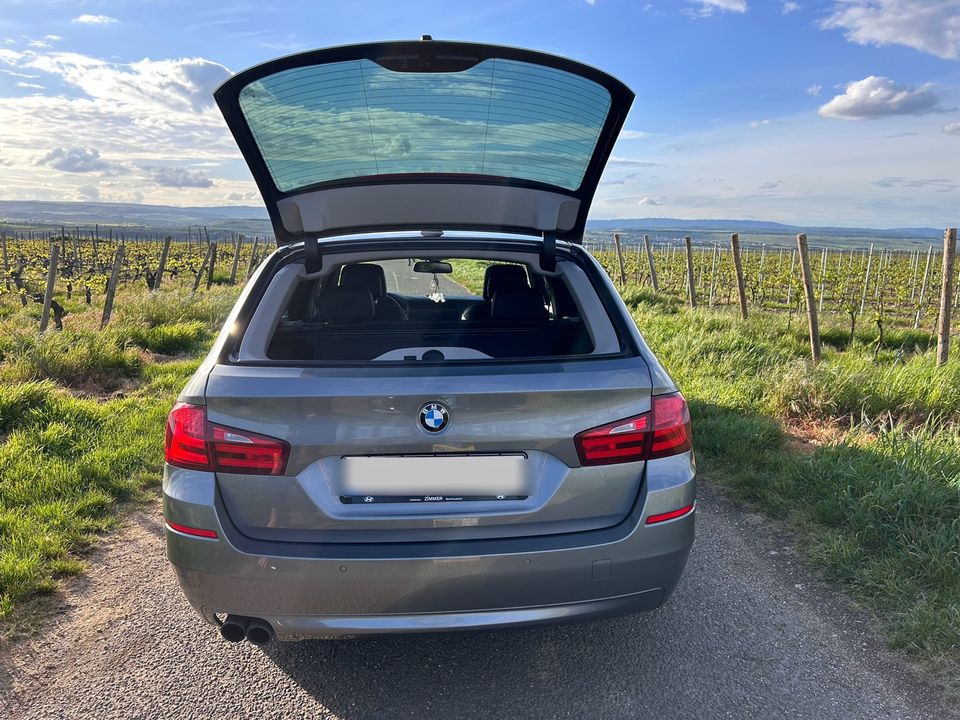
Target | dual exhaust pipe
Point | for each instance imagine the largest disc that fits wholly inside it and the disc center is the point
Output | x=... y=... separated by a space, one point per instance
x=238 y=627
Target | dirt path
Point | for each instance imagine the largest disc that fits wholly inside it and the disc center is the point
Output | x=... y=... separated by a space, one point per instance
x=747 y=635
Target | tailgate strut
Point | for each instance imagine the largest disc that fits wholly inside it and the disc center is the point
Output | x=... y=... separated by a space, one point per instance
x=311 y=254
x=548 y=256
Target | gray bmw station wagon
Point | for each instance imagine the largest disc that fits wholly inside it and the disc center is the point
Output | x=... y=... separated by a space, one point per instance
x=370 y=447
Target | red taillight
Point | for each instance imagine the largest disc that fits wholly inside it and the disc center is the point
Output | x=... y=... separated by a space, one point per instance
x=663 y=431
x=194 y=443
x=239 y=451
x=186 y=441
x=671 y=426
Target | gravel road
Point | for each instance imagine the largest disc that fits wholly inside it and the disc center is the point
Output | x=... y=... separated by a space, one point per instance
x=748 y=634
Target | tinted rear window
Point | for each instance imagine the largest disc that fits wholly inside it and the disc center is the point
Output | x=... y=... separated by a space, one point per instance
x=351 y=119
x=386 y=311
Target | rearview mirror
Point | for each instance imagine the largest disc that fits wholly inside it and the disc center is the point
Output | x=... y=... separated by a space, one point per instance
x=432 y=266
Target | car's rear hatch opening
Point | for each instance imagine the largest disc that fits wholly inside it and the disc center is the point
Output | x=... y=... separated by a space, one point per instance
x=447 y=418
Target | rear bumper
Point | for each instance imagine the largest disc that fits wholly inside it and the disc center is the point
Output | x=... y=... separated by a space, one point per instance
x=313 y=590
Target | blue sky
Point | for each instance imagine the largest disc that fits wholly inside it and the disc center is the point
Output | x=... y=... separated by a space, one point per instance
x=839 y=112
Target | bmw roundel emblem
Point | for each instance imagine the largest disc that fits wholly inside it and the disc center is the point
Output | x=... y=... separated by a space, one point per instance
x=434 y=417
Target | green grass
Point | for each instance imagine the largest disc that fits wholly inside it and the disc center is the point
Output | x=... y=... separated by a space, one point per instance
x=68 y=461
x=878 y=504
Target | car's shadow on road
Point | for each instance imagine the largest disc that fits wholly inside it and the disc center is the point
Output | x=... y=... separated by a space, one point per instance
x=598 y=669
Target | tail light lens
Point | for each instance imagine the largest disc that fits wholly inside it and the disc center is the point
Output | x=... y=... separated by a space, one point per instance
x=186 y=440
x=194 y=443
x=661 y=432
x=238 y=451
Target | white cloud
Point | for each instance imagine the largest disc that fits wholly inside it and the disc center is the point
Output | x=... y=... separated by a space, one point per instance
x=88 y=192
x=79 y=160
x=648 y=201
x=247 y=197
x=789 y=7
x=760 y=123
x=181 y=177
x=952 y=128
x=814 y=90
x=932 y=26
x=123 y=120
x=620 y=160
x=29 y=85
x=94 y=19
x=876 y=97
x=708 y=7
x=183 y=85
x=633 y=134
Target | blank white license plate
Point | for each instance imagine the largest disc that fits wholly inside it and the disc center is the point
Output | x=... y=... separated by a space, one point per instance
x=436 y=477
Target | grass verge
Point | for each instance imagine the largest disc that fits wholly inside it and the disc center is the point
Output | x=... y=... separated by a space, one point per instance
x=876 y=497
x=69 y=459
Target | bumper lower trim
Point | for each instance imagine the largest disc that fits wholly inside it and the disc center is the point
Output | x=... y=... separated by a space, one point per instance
x=301 y=627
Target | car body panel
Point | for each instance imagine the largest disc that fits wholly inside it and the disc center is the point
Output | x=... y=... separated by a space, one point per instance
x=329 y=414
x=329 y=589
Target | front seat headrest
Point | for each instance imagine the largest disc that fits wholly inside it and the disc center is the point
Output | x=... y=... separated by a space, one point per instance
x=345 y=305
x=524 y=305
x=365 y=275
x=503 y=277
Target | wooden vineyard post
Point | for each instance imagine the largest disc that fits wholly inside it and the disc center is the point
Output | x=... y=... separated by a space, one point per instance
x=738 y=267
x=6 y=263
x=823 y=280
x=946 y=292
x=691 y=280
x=164 y=252
x=915 y=267
x=112 y=287
x=810 y=299
x=760 y=277
x=51 y=281
x=866 y=280
x=653 y=267
x=236 y=260
x=623 y=268
x=211 y=264
x=253 y=256
x=713 y=272
x=202 y=270
x=793 y=264
x=923 y=288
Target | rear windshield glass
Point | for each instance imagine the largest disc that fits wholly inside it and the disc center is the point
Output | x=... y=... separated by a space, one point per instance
x=350 y=119
x=455 y=309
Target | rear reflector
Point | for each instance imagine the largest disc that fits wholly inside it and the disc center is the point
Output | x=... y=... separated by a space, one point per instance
x=198 y=532
x=663 y=517
x=661 y=432
x=193 y=443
